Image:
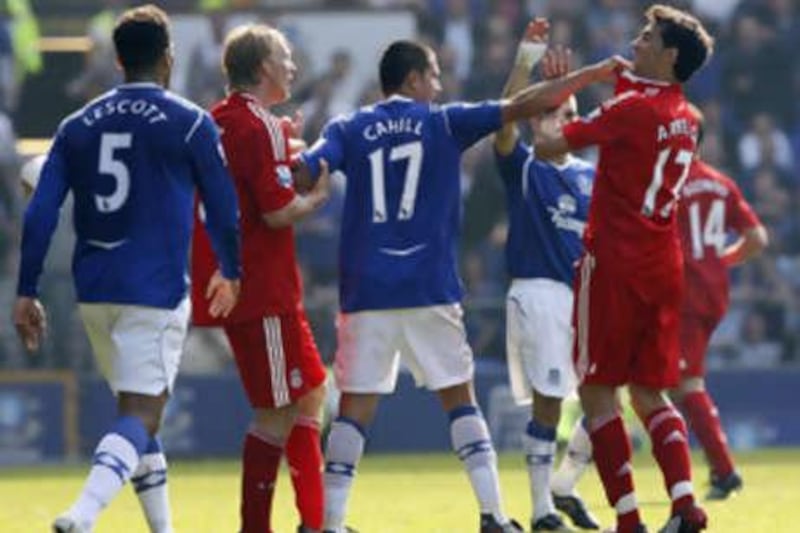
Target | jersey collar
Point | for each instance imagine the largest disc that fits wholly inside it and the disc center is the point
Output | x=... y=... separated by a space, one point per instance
x=244 y=95
x=629 y=81
x=140 y=85
x=398 y=98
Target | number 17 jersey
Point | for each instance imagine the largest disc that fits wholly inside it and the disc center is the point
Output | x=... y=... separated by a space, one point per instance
x=402 y=206
x=647 y=137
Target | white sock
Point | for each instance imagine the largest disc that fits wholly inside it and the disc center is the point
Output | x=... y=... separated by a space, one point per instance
x=115 y=458
x=473 y=445
x=342 y=454
x=577 y=458
x=150 y=483
x=539 y=443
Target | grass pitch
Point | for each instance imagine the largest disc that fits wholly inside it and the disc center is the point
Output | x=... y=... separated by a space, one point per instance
x=401 y=493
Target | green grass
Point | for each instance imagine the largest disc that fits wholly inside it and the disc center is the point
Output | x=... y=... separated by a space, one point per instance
x=400 y=493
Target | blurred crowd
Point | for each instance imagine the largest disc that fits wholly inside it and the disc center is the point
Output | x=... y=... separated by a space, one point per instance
x=749 y=92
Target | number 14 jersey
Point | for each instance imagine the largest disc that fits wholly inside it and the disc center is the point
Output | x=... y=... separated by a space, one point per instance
x=711 y=206
x=402 y=207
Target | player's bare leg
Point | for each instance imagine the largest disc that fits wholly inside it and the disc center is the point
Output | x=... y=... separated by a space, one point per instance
x=116 y=458
x=473 y=445
x=670 y=447
x=304 y=457
x=343 y=452
x=612 y=453
x=703 y=417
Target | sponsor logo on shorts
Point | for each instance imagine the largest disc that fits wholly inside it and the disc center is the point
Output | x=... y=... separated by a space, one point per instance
x=554 y=376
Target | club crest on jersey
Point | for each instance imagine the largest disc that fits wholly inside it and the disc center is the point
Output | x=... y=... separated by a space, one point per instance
x=295 y=378
x=284 y=176
x=585 y=184
x=567 y=204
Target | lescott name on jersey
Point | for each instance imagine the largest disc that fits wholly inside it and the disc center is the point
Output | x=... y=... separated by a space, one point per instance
x=139 y=108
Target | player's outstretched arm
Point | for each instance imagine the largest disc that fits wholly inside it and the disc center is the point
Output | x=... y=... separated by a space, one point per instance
x=529 y=52
x=750 y=244
x=303 y=204
x=540 y=97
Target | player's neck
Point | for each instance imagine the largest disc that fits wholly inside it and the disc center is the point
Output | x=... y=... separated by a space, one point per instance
x=257 y=93
x=558 y=160
x=148 y=77
x=665 y=76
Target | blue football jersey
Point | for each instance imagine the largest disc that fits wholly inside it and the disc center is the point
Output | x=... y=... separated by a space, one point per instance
x=548 y=206
x=402 y=206
x=132 y=159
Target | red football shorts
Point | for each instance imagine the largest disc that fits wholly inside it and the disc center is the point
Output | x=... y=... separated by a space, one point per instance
x=696 y=331
x=620 y=337
x=277 y=358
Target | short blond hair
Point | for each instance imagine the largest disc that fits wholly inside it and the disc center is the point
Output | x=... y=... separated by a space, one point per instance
x=246 y=48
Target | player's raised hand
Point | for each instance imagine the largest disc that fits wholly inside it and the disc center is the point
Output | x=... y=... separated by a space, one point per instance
x=223 y=293
x=537 y=31
x=556 y=63
x=295 y=124
x=608 y=69
x=30 y=320
x=533 y=43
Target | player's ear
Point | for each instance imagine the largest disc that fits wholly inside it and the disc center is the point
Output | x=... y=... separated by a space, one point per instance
x=413 y=81
x=672 y=54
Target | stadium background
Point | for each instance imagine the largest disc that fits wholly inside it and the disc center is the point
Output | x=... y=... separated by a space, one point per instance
x=55 y=54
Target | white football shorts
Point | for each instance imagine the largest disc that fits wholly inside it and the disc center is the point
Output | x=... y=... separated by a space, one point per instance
x=138 y=349
x=431 y=342
x=539 y=338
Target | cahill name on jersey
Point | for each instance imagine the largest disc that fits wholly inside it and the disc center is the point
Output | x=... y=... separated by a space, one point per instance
x=402 y=208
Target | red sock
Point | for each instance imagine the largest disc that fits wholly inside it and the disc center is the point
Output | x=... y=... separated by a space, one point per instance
x=260 y=462
x=304 y=455
x=611 y=449
x=671 y=450
x=703 y=419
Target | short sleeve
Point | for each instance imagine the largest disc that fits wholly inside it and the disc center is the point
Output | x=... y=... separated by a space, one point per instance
x=606 y=123
x=511 y=165
x=742 y=217
x=330 y=147
x=469 y=123
x=268 y=181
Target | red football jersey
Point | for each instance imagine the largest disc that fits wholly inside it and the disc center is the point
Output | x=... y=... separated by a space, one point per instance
x=646 y=136
x=711 y=206
x=257 y=149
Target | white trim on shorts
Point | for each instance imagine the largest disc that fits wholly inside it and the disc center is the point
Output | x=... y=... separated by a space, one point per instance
x=137 y=348
x=277 y=361
x=539 y=338
x=586 y=268
x=430 y=341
